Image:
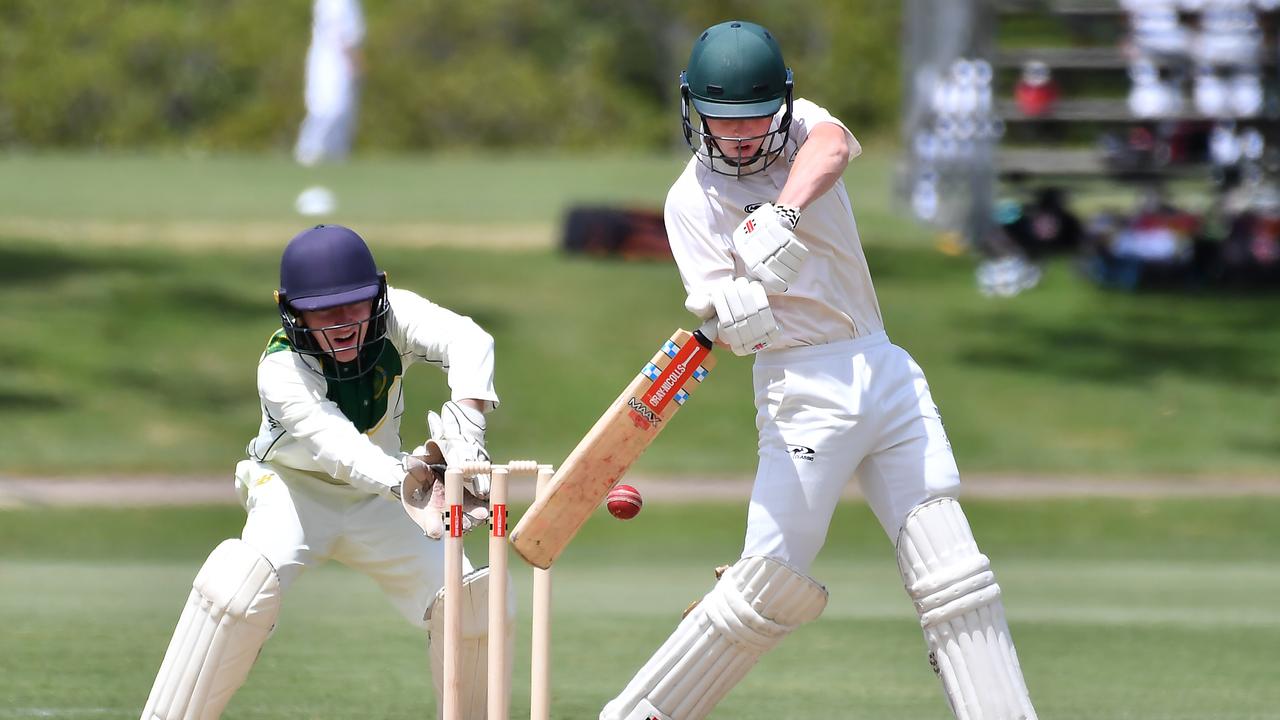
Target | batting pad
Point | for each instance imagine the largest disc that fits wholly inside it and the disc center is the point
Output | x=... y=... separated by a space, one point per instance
x=958 y=600
x=757 y=602
x=473 y=697
x=232 y=609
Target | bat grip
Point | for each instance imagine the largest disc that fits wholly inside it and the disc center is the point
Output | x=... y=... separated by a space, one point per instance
x=706 y=334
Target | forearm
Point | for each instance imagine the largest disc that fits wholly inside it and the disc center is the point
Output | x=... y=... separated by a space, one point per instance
x=819 y=164
x=343 y=452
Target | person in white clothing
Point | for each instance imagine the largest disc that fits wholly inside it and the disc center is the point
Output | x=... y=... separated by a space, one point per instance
x=325 y=476
x=335 y=63
x=763 y=232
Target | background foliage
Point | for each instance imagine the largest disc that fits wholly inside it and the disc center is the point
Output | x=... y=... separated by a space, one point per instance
x=228 y=74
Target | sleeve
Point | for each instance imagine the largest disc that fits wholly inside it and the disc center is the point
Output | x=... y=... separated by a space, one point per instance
x=702 y=255
x=295 y=397
x=452 y=342
x=355 y=25
x=806 y=115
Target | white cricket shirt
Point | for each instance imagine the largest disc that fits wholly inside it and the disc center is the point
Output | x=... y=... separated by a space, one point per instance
x=832 y=299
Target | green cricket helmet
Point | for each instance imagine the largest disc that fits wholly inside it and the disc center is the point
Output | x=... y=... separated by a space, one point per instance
x=735 y=71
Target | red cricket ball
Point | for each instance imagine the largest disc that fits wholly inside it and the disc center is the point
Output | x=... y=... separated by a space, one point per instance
x=624 y=502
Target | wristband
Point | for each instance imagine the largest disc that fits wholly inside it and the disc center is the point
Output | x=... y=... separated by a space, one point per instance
x=789 y=213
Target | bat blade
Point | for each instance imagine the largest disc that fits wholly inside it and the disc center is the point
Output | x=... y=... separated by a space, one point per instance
x=607 y=451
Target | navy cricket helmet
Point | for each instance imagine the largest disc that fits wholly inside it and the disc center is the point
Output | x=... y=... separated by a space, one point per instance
x=324 y=267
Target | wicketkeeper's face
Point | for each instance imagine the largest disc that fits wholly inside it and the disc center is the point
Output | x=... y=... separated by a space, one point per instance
x=739 y=138
x=340 y=330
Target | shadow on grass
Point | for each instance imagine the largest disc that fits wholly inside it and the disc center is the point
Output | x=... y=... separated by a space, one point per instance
x=208 y=394
x=1207 y=338
x=187 y=284
x=890 y=264
x=25 y=401
x=1106 y=356
x=1259 y=444
x=33 y=264
x=220 y=303
x=134 y=315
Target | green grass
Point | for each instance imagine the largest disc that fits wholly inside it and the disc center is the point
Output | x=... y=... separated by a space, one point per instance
x=520 y=188
x=235 y=188
x=1129 y=610
x=142 y=360
x=136 y=353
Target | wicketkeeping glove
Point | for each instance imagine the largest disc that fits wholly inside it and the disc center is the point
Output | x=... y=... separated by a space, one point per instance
x=422 y=495
x=459 y=431
x=767 y=243
x=746 y=322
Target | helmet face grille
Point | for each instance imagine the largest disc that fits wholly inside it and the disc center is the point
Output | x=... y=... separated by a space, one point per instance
x=303 y=339
x=735 y=70
x=705 y=145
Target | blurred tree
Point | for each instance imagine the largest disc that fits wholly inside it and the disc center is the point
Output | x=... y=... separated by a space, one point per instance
x=497 y=73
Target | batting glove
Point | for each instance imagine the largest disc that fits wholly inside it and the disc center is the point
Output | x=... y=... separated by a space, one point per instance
x=746 y=322
x=767 y=243
x=459 y=431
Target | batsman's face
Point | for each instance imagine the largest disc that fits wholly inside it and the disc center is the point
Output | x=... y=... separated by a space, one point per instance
x=340 y=330
x=739 y=138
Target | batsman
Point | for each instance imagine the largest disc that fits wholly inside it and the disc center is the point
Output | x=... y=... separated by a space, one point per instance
x=763 y=232
x=325 y=477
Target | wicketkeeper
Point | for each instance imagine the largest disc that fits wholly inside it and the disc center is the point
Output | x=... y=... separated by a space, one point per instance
x=763 y=233
x=325 y=477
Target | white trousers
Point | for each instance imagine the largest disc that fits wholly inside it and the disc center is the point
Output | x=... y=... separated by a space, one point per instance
x=298 y=521
x=828 y=414
x=325 y=137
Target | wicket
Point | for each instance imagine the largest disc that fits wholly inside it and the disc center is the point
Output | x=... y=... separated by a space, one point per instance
x=540 y=674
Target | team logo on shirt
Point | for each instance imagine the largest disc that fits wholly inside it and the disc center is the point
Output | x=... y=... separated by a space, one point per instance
x=801 y=452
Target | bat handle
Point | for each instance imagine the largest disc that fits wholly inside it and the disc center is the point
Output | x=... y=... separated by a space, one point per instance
x=706 y=334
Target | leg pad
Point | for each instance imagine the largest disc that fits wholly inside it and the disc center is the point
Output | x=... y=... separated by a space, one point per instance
x=475 y=644
x=756 y=603
x=958 y=600
x=231 y=611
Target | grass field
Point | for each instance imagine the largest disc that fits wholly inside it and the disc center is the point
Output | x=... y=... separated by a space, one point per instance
x=1122 y=610
x=137 y=296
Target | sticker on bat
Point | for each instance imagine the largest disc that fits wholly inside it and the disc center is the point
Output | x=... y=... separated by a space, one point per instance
x=642 y=414
x=674 y=375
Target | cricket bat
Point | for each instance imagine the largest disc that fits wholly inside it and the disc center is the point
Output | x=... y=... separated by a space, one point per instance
x=613 y=444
